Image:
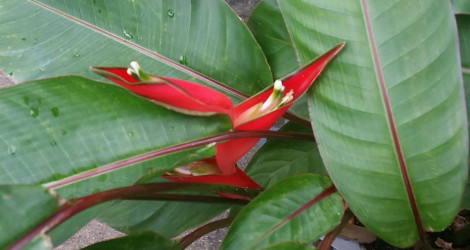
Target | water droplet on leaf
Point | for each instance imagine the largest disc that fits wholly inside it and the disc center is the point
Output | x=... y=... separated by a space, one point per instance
x=26 y=100
x=55 y=111
x=131 y=134
x=170 y=13
x=34 y=112
x=24 y=38
x=10 y=73
x=76 y=54
x=127 y=35
x=64 y=132
x=12 y=150
x=53 y=143
x=183 y=60
x=42 y=69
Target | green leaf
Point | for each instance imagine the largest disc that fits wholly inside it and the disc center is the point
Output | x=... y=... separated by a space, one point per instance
x=270 y=30
x=400 y=58
x=289 y=246
x=196 y=40
x=60 y=130
x=166 y=218
x=461 y=6
x=268 y=26
x=20 y=211
x=463 y=25
x=299 y=208
x=41 y=242
x=277 y=159
x=466 y=79
x=142 y=240
x=388 y=114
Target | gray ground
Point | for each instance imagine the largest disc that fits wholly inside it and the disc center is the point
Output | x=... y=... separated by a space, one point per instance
x=96 y=231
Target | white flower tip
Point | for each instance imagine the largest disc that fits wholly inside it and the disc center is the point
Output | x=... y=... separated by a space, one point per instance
x=135 y=66
x=288 y=97
x=278 y=85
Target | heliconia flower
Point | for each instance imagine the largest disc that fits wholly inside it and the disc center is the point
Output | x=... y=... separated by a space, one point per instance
x=175 y=94
x=293 y=85
x=259 y=112
x=207 y=171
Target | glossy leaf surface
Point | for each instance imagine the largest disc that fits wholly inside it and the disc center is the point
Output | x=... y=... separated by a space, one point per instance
x=46 y=139
x=388 y=114
x=277 y=159
x=301 y=208
x=20 y=213
x=195 y=40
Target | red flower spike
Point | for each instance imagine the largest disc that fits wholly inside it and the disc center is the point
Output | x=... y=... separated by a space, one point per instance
x=238 y=178
x=259 y=112
x=228 y=153
x=178 y=95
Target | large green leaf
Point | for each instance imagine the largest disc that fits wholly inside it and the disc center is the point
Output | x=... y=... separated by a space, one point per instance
x=63 y=132
x=144 y=240
x=277 y=159
x=388 y=114
x=194 y=40
x=59 y=129
x=20 y=211
x=54 y=129
x=299 y=208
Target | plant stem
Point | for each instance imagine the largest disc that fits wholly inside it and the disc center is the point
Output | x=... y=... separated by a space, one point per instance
x=297 y=119
x=203 y=230
x=330 y=237
x=152 y=191
x=188 y=145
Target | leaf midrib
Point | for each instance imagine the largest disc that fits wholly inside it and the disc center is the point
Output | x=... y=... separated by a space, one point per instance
x=146 y=51
x=391 y=122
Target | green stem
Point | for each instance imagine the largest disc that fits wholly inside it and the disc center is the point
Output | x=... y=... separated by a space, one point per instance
x=203 y=230
x=152 y=191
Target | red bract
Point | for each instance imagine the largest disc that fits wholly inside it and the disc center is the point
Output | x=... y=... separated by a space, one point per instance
x=228 y=153
x=213 y=175
x=259 y=112
x=175 y=94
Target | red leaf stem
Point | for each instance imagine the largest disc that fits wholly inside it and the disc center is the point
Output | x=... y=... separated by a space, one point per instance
x=150 y=191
